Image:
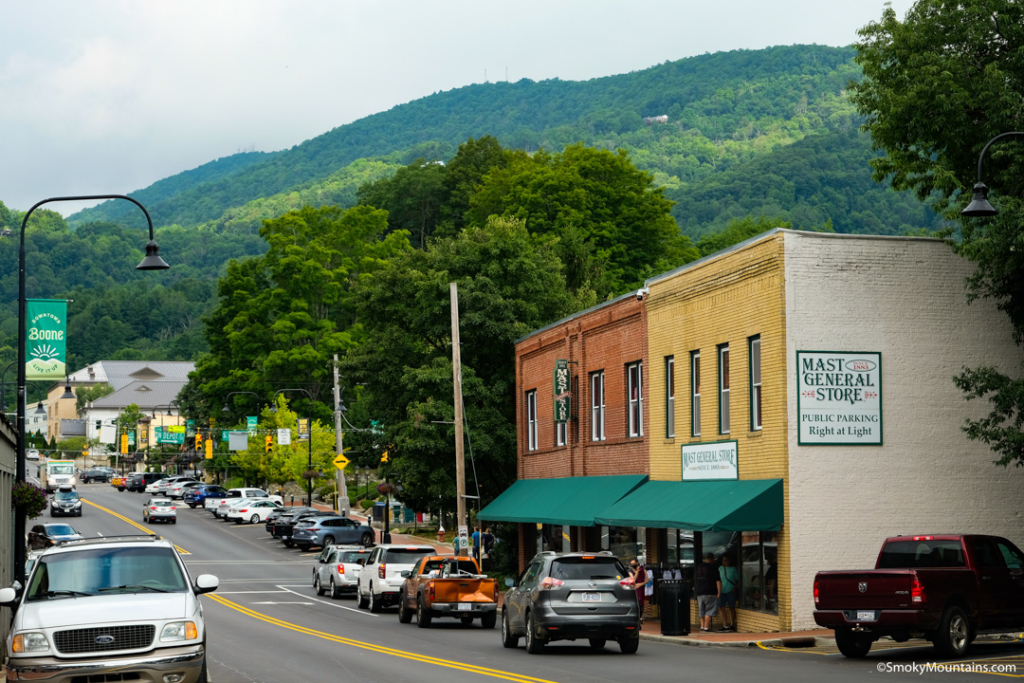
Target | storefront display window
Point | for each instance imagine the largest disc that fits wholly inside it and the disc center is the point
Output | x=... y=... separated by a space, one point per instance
x=758 y=573
x=678 y=548
x=621 y=541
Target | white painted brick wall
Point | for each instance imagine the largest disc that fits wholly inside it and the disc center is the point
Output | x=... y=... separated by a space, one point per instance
x=905 y=298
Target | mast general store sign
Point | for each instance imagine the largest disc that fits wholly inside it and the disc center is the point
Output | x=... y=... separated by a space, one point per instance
x=839 y=398
x=714 y=460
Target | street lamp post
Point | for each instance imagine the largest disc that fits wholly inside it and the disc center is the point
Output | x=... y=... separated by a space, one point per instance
x=980 y=205
x=152 y=261
x=309 y=468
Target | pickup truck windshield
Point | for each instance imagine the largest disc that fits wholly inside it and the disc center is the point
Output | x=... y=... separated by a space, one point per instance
x=585 y=568
x=912 y=554
x=99 y=571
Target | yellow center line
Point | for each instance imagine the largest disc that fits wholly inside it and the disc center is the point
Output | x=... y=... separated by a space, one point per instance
x=462 y=666
x=133 y=523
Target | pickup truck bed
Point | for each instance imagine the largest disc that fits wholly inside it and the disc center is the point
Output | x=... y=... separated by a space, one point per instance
x=448 y=586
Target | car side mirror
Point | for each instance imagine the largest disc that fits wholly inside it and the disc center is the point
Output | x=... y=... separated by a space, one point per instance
x=510 y=582
x=206 y=583
x=406 y=574
x=8 y=596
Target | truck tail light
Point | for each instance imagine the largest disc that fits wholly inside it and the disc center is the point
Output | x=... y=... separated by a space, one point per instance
x=816 y=599
x=381 y=569
x=430 y=591
x=917 y=594
x=548 y=583
x=341 y=569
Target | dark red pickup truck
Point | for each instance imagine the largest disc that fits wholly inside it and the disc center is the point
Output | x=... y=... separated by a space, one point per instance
x=945 y=588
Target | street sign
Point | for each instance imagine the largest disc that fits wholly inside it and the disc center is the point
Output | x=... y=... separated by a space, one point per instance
x=463 y=538
x=341 y=462
x=303 y=429
x=284 y=437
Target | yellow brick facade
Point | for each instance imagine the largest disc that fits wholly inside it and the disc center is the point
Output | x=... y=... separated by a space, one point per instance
x=725 y=300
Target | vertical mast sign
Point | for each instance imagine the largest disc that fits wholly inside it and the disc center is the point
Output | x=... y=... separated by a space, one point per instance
x=45 y=339
x=562 y=394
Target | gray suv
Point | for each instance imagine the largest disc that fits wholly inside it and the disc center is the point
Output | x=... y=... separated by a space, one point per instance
x=567 y=596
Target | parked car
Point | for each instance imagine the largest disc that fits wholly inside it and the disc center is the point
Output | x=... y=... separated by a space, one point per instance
x=329 y=530
x=381 y=577
x=94 y=474
x=65 y=502
x=140 y=480
x=197 y=495
x=221 y=512
x=240 y=493
x=159 y=487
x=135 y=614
x=944 y=588
x=253 y=511
x=161 y=509
x=568 y=596
x=284 y=512
x=337 y=569
x=447 y=586
x=178 y=488
x=286 y=523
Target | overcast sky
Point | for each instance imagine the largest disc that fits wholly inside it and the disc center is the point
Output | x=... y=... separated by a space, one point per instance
x=109 y=96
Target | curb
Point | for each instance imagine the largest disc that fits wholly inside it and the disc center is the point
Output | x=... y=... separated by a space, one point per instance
x=795 y=642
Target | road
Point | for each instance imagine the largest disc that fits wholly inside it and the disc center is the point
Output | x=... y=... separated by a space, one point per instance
x=267 y=624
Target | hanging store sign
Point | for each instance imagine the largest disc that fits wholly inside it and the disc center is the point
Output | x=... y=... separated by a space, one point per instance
x=45 y=339
x=714 y=460
x=839 y=398
x=562 y=394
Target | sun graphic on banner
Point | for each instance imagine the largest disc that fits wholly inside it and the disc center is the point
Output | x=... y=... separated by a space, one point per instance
x=45 y=352
x=45 y=363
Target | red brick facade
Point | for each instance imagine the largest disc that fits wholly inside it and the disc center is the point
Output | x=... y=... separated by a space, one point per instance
x=606 y=338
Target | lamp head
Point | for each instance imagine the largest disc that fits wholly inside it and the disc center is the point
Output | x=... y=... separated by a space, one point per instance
x=67 y=392
x=152 y=260
x=226 y=409
x=40 y=410
x=980 y=206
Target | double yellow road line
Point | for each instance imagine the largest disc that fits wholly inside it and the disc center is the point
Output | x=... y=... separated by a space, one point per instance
x=133 y=523
x=461 y=666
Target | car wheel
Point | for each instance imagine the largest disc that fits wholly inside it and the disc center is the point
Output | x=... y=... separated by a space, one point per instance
x=375 y=604
x=488 y=619
x=629 y=644
x=953 y=635
x=404 y=615
x=597 y=643
x=534 y=645
x=304 y=547
x=316 y=584
x=174 y=521
x=149 y=520
x=255 y=519
x=361 y=599
x=508 y=639
x=852 y=645
x=192 y=505
x=366 y=540
x=423 y=615
x=328 y=540
x=335 y=591
x=289 y=543
x=238 y=520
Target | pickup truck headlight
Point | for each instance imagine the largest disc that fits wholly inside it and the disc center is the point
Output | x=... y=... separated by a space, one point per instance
x=30 y=642
x=179 y=630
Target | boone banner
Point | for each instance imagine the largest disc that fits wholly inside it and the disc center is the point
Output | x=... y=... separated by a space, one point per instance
x=45 y=339
x=839 y=398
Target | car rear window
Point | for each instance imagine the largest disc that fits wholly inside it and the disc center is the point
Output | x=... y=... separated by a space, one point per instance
x=587 y=567
x=161 y=503
x=354 y=555
x=406 y=555
x=911 y=554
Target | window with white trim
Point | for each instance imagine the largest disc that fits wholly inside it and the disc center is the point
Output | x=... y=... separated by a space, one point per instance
x=670 y=397
x=531 y=420
x=695 y=393
x=755 y=383
x=635 y=387
x=597 y=406
x=723 y=389
x=561 y=429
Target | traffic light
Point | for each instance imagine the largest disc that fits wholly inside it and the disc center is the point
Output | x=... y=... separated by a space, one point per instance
x=199 y=441
x=270 y=443
x=384 y=456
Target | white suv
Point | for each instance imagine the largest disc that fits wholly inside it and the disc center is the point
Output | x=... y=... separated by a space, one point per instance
x=118 y=606
x=381 y=577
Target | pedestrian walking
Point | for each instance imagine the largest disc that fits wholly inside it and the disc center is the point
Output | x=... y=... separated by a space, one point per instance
x=639 y=574
x=488 y=542
x=729 y=580
x=476 y=543
x=708 y=589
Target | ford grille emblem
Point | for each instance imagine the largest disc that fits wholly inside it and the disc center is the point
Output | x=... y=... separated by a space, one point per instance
x=104 y=640
x=862 y=586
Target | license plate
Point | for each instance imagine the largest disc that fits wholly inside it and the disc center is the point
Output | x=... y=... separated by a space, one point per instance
x=464 y=607
x=868 y=615
x=591 y=597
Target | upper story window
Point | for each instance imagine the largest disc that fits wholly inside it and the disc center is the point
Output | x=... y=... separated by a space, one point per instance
x=670 y=397
x=755 y=383
x=695 y=393
x=723 y=389
x=561 y=433
x=531 y=420
x=597 y=406
x=635 y=387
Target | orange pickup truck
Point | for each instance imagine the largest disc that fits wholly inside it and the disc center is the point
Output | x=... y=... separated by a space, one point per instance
x=447 y=586
x=118 y=482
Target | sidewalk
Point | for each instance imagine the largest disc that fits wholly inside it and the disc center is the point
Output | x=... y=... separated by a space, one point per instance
x=652 y=631
x=442 y=548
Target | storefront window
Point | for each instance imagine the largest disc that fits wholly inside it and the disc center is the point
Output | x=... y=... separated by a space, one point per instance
x=554 y=537
x=758 y=571
x=621 y=541
x=679 y=548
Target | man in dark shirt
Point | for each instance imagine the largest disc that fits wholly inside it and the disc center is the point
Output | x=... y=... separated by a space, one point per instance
x=708 y=589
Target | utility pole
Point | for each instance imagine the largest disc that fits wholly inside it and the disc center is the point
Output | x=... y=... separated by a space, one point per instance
x=461 y=523
x=342 y=504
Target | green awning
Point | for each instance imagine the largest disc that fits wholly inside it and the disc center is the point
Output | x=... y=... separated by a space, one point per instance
x=753 y=505
x=574 y=501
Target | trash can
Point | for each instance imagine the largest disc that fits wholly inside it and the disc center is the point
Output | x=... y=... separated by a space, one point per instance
x=674 y=600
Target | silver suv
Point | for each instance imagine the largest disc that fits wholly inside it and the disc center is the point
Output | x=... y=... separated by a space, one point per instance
x=121 y=606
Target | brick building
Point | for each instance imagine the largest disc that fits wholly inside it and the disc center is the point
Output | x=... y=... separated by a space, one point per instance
x=793 y=407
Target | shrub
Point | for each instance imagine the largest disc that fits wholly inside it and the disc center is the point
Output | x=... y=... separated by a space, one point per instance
x=366 y=504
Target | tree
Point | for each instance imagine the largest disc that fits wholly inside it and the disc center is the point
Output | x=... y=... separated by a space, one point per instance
x=412 y=197
x=938 y=85
x=84 y=395
x=509 y=283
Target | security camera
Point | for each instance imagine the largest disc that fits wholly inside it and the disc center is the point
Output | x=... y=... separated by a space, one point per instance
x=640 y=293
